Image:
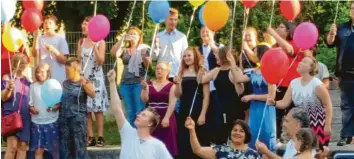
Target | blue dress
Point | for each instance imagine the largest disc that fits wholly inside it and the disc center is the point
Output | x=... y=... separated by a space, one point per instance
x=268 y=130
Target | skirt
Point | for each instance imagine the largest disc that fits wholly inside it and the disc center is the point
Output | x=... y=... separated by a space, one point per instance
x=45 y=136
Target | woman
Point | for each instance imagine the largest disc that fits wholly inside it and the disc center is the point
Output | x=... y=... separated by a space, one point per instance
x=283 y=35
x=257 y=98
x=249 y=44
x=309 y=92
x=93 y=56
x=17 y=84
x=237 y=149
x=160 y=95
x=186 y=85
x=135 y=59
x=227 y=89
x=305 y=142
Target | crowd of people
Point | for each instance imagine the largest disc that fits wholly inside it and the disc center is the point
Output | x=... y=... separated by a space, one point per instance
x=204 y=102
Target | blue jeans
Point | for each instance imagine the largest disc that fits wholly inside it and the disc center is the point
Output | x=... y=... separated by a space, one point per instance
x=347 y=107
x=131 y=98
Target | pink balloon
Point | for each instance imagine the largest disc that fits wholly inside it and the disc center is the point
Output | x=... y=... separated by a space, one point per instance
x=98 y=28
x=306 y=35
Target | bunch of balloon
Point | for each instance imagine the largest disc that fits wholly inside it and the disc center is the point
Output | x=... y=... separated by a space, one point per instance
x=195 y=4
x=31 y=18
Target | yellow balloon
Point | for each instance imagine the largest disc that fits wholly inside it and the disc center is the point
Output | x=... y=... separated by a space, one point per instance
x=196 y=3
x=12 y=39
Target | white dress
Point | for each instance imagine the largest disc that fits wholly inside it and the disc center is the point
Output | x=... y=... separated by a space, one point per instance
x=94 y=73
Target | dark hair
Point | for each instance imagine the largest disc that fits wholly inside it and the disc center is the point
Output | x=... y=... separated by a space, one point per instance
x=51 y=17
x=222 y=53
x=300 y=115
x=87 y=19
x=308 y=139
x=72 y=60
x=291 y=28
x=245 y=127
x=155 y=119
x=261 y=49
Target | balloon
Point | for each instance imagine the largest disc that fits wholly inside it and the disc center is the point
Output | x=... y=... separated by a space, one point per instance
x=249 y=3
x=274 y=65
x=196 y=3
x=159 y=10
x=8 y=9
x=98 y=28
x=51 y=92
x=12 y=39
x=200 y=15
x=27 y=4
x=305 y=35
x=215 y=21
x=290 y=9
x=31 y=19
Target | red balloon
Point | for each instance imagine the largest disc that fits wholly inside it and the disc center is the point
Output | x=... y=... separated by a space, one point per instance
x=290 y=9
x=33 y=4
x=31 y=19
x=274 y=65
x=249 y=3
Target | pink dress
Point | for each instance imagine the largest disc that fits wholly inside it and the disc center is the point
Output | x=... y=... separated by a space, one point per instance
x=159 y=100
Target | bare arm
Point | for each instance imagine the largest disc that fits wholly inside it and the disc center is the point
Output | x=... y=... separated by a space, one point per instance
x=117 y=50
x=249 y=52
x=89 y=89
x=178 y=90
x=323 y=95
x=326 y=83
x=286 y=101
x=238 y=86
x=100 y=52
x=240 y=77
x=261 y=97
x=7 y=93
x=203 y=152
x=116 y=103
x=144 y=95
x=281 y=42
x=35 y=47
x=78 y=51
x=206 y=98
x=171 y=103
x=331 y=36
x=209 y=76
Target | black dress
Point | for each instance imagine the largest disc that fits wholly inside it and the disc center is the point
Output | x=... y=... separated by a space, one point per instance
x=230 y=101
x=189 y=85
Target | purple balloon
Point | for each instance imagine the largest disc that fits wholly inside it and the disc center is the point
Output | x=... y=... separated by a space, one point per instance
x=306 y=35
x=98 y=28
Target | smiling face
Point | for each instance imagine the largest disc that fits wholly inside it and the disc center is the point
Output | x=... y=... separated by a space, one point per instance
x=251 y=37
x=42 y=73
x=188 y=57
x=238 y=135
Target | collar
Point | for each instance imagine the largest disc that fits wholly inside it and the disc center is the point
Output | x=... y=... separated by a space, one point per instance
x=173 y=32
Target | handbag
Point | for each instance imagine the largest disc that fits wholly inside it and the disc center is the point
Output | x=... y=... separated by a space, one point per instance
x=12 y=123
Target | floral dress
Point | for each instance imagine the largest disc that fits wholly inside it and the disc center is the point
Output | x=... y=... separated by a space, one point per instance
x=227 y=152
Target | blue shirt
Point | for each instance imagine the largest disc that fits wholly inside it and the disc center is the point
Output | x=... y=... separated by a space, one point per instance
x=73 y=104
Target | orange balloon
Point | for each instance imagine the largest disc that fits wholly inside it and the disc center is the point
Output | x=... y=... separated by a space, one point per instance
x=216 y=15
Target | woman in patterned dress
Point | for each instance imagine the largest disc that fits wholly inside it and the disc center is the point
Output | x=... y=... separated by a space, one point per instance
x=93 y=56
x=160 y=95
x=237 y=149
x=309 y=92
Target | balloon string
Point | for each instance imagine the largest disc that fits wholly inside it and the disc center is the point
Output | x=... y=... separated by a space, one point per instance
x=246 y=14
x=121 y=44
x=8 y=55
x=195 y=95
x=14 y=77
x=276 y=88
x=152 y=48
x=190 y=22
x=335 y=18
x=272 y=14
x=233 y=24
x=83 y=71
x=95 y=9
x=143 y=19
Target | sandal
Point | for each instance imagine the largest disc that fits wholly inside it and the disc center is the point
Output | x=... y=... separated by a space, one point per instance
x=100 y=142
x=91 y=141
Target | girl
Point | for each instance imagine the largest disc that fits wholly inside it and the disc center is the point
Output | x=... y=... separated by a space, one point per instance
x=186 y=86
x=257 y=98
x=44 y=129
x=135 y=59
x=249 y=44
x=305 y=142
x=17 y=84
x=93 y=56
x=309 y=92
x=160 y=95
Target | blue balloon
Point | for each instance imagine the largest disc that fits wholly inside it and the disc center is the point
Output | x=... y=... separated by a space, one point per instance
x=200 y=15
x=159 y=10
x=8 y=9
x=51 y=92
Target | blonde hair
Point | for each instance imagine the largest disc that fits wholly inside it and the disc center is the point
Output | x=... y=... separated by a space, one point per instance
x=168 y=67
x=254 y=31
x=314 y=66
x=43 y=66
x=198 y=60
x=173 y=11
x=16 y=59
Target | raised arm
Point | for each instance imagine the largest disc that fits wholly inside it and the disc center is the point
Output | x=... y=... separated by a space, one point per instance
x=285 y=102
x=331 y=36
x=325 y=99
x=116 y=50
x=233 y=73
x=100 y=52
x=281 y=42
x=8 y=91
x=249 y=52
x=262 y=148
x=205 y=77
x=116 y=103
x=203 y=152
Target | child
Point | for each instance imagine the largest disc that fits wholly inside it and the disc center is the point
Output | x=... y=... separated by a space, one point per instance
x=44 y=129
x=73 y=111
x=16 y=83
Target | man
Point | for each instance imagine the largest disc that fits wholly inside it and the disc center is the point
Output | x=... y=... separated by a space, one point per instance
x=171 y=44
x=343 y=39
x=51 y=48
x=295 y=120
x=136 y=143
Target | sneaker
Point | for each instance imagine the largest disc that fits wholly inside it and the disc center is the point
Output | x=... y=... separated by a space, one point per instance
x=343 y=141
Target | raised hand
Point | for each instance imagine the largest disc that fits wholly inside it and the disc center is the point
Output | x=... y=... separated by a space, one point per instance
x=111 y=75
x=189 y=124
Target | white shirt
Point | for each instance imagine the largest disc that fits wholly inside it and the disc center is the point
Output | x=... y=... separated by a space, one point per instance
x=35 y=99
x=175 y=43
x=291 y=151
x=59 y=42
x=135 y=148
x=322 y=71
